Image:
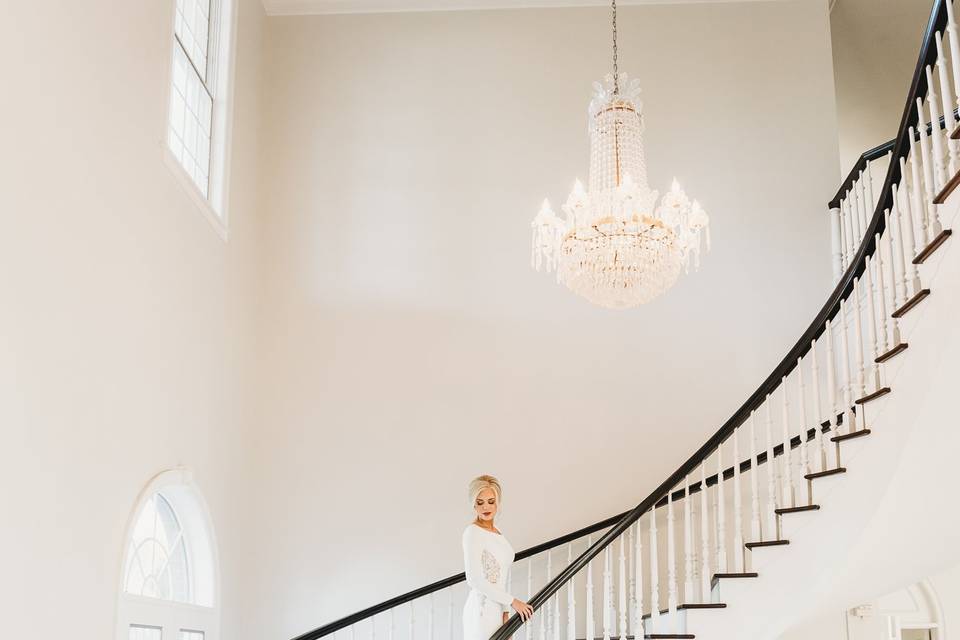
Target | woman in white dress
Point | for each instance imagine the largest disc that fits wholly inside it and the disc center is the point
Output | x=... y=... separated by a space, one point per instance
x=487 y=557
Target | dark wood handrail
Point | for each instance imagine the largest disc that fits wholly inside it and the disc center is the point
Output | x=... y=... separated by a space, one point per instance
x=910 y=117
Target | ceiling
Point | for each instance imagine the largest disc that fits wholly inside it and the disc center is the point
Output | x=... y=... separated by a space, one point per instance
x=309 y=7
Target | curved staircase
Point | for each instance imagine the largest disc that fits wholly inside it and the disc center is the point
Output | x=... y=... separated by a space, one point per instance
x=823 y=488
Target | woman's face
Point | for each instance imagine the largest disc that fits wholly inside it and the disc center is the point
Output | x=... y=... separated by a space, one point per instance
x=486 y=505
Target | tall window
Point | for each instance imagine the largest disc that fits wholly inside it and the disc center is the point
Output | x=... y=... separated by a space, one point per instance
x=197 y=128
x=169 y=589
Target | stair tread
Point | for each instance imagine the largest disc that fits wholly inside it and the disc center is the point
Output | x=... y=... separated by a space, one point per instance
x=947 y=189
x=911 y=303
x=766 y=543
x=850 y=436
x=873 y=396
x=807 y=507
x=935 y=243
x=824 y=474
x=900 y=348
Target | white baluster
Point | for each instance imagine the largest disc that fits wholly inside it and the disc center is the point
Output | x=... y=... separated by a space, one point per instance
x=548 y=613
x=671 y=557
x=571 y=600
x=856 y=211
x=638 y=572
x=704 y=536
x=875 y=340
x=632 y=578
x=880 y=295
x=411 y=623
x=913 y=216
x=849 y=228
x=787 y=490
x=858 y=340
x=929 y=185
x=832 y=387
x=721 y=512
x=606 y=593
x=864 y=205
x=837 y=254
x=373 y=627
x=904 y=231
x=556 y=615
x=590 y=631
x=687 y=543
x=889 y=263
x=623 y=587
x=919 y=204
x=771 y=533
x=430 y=616
x=871 y=202
x=954 y=51
x=754 y=484
x=528 y=627
x=737 y=505
x=849 y=417
x=940 y=172
x=802 y=394
x=545 y=609
x=654 y=570
x=817 y=411
x=947 y=98
x=450 y=615
x=393 y=624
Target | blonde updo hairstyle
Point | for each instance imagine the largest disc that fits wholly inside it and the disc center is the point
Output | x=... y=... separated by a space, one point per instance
x=479 y=484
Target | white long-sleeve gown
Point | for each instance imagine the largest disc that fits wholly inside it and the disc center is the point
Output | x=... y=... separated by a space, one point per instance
x=487 y=557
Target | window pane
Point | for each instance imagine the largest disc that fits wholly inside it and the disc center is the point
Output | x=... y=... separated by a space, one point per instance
x=138 y=632
x=192 y=26
x=157 y=564
x=191 y=635
x=191 y=111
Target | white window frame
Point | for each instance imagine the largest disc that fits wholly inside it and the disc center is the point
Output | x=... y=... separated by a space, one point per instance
x=221 y=51
x=170 y=616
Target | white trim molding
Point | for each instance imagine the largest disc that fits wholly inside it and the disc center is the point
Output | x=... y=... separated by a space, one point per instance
x=324 y=7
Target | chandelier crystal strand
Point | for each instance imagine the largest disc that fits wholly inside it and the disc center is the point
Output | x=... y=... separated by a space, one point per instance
x=616 y=248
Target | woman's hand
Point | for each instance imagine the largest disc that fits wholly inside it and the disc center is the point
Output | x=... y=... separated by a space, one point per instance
x=524 y=610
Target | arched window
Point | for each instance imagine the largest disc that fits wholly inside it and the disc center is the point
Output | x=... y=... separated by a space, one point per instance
x=169 y=581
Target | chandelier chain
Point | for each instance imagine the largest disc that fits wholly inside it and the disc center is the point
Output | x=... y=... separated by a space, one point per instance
x=616 y=79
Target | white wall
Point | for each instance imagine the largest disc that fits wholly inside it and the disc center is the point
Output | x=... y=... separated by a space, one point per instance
x=411 y=346
x=875 y=49
x=126 y=322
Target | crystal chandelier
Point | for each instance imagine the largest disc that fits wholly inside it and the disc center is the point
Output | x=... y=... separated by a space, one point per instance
x=616 y=247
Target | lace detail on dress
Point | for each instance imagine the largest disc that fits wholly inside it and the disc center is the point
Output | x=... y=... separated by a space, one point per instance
x=491 y=568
